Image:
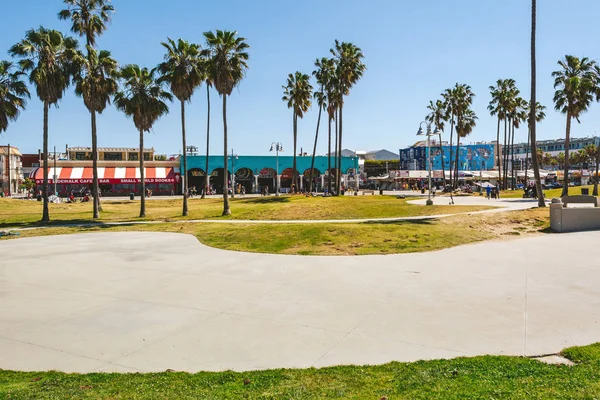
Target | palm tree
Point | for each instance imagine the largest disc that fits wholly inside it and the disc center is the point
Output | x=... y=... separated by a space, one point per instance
x=350 y=68
x=227 y=69
x=332 y=106
x=183 y=71
x=143 y=100
x=539 y=116
x=533 y=108
x=206 y=59
x=518 y=114
x=437 y=118
x=13 y=94
x=465 y=118
x=497 y=107
x=89 y=19
x=48 y=57
x=297 y=94
x=576 y=84
x=449 y=101
x=323 y=74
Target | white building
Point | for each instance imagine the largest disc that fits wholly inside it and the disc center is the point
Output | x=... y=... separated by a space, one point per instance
x=10 y=169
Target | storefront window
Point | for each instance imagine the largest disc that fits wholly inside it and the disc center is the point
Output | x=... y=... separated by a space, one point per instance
x=133 y=157
x=124 y=188
x=113 y=156
x=165 y=188
x=146 y=156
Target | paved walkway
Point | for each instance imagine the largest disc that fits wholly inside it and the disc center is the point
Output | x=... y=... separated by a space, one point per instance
x=152 y=301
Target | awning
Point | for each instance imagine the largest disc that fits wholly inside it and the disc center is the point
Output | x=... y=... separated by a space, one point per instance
x=107 y=175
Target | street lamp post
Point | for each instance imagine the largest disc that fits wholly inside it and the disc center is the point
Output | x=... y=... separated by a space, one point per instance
x=277 y=147
x=428 y=133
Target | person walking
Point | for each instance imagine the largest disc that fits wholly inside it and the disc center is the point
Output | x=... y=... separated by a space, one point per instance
x=488 y=191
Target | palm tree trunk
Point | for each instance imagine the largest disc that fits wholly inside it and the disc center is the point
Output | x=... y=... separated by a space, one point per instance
x=185 y=179
x=595 y=193
x=295 y=125
x=95 y=191
x=335 y=151
x=456 y=166
x=498 y=152
x=312 y=161
x=206 y=174
x=512 y=158
x=329 y=156
x=504 y=150
x=339 y=166
x=443 y=163
x=45 y=213
x=142 y=176
x=565 y=191
x=226 y=210
x=451 y=158
x=527 y=154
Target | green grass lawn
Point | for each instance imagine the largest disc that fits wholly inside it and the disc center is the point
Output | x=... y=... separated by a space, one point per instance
x=27 y=213
x=342 y=239
x=549 y=194
x=488 y=377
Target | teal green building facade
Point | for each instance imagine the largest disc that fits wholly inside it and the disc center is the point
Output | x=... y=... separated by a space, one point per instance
x=255 y=173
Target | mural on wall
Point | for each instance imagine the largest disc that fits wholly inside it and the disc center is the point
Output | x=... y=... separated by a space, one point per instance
x=471 y=157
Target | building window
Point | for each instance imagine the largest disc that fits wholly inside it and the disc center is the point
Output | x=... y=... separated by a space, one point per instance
x=133 y=157
x=146 y=156
x=113 y=156
x=80 y=156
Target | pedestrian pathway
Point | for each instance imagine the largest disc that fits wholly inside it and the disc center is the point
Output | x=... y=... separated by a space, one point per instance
x=146 y=301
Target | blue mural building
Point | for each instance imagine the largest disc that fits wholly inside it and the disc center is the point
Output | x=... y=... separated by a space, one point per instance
x=472 y=157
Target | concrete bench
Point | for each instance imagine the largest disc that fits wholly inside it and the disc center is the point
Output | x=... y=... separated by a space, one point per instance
x=581 y=199
x=368 y=191
x=564 y=219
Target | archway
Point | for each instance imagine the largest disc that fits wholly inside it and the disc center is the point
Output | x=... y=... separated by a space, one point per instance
x=287 y=176
x=196 y=177
x=316 y=179
x=267 y=178
x=330 y=177
x=244 y=178
x=216 y=180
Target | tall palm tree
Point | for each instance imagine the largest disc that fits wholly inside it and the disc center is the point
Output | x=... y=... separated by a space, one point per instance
x=350 y=68
x=449 y=101
x=539 y=116
x=518 y=115
x=576 y=84
x=437 y=117
x=496 y=108
x=533 y=107
x=13 y=94
x=206 y=60
x=323 y=74
x=89 y=19
x=228 y=66
x=332 y=106
x=183 y=71
x=462 y=96
x=297 y=94
x=142 y=98
x=48 y=57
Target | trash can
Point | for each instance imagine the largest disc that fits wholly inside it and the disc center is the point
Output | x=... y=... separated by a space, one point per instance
x=131 y=196
x=585 y=191
x=423 y=191
x=381 y=191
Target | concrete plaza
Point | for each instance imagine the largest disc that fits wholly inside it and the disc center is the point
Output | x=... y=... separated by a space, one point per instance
x=157 y=301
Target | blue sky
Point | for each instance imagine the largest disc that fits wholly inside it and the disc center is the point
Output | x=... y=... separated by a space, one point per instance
x=414 y=50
